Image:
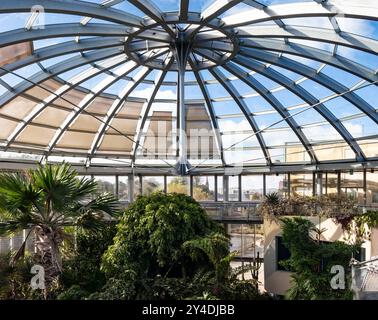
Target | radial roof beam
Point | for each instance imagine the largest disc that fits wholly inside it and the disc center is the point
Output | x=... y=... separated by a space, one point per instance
x=295 y=10
x=104 y=3
x=62 y=49
x=222 y=79
x=310 y=33
x=305 y=96
x=72 y=7
x=184 y=8
x=147 y=106
x=56 y=69
x=210 y=109
x=216 y=8
x=275 y=103
x=72 y=83
x=312 y=74
x=116 y=107
x=310 y=53
x=152 y=11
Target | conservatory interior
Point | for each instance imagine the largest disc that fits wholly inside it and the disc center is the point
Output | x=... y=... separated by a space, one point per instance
x=257 y=119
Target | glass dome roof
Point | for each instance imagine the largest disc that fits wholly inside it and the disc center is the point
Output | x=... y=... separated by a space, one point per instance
x=215 y=84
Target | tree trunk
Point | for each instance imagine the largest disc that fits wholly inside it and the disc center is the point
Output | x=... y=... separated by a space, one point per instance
x=48 y=242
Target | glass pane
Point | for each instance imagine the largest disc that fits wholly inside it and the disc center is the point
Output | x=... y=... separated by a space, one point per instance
x=277 y=183
x=233 y=188
x=178 y=185
x=330 y=183
x=247 y=240
x=252 y=187
x=352 y=185
x=137 y=187
x=152 y=184
x=372 y=188
x=220 y=188
x=106 y=184
x=123 y=188
x=301 y=184
x=203 y=188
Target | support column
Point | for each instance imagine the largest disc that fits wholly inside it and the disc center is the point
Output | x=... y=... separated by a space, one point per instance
x=191 y=187
x=215 y=188
x=181 y=50
x=264 y=185
x=225 y=188
x=140 y=184
x=365 y=187
x=165 y=184
x=338 y=183
x=240 y=188
x=319 y=184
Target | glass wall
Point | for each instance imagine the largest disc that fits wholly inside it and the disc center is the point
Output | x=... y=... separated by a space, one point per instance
x=123 y=188
x=204 y=188
x=352 y=184
x=253 y=187
x=301 y=184
x=106 y=184
x=329 y=183
x=152 y=184
x=247 y=240
x=277 y=183
x=220 y=188
x=233 y=188
x=137 y=186
x=210 y=187
x=372 y=188
x=178 y=185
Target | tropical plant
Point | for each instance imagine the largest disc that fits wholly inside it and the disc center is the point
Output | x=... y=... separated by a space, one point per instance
x=81 y=272
x=15 y=279
x=46 y=201
x=331 y=206
x=151 y=233
x=215 y=247
x=311 y=261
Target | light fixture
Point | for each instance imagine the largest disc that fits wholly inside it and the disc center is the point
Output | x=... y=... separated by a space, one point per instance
x=351 y=171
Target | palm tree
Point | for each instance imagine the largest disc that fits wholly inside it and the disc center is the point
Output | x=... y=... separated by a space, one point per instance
x=46 y=201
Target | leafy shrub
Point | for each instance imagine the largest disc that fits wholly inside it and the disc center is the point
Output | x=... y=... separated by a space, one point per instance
x=311 y=261
x=151 y=234
x=15 y=279
x=81 y=273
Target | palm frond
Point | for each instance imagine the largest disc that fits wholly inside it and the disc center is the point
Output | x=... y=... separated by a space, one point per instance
x=103 y=203
x=9 y=227
x=17 y=194
x=84 y=188
x=214 y=246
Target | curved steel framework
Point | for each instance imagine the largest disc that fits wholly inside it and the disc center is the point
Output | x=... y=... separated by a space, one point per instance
x=289 y=65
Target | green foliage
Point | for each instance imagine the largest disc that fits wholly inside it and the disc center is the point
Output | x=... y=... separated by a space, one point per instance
x=81 y=273
x=312 y=260
x=51 y=196
x=46 y=201
x=167 y=248
x=75 y=292
x=325 y=205
x=15 y=279
x=151 y=234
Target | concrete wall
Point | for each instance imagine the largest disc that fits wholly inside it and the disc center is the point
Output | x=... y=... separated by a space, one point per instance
x=277 y=281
